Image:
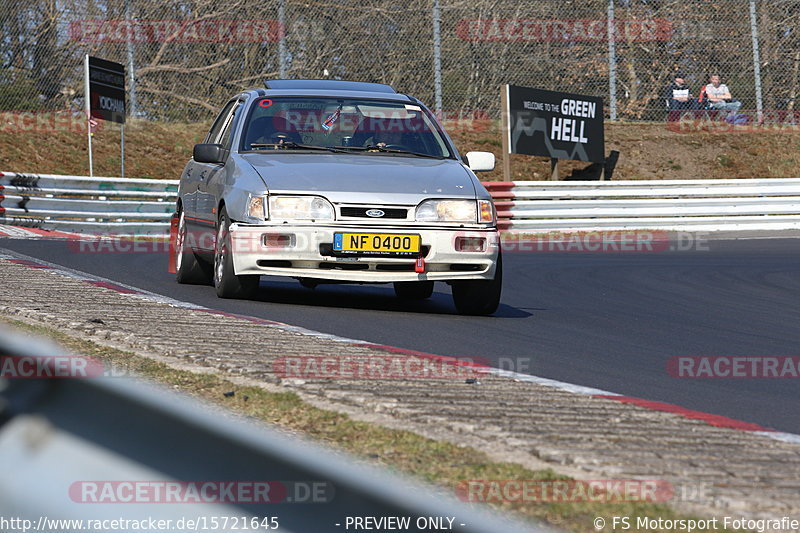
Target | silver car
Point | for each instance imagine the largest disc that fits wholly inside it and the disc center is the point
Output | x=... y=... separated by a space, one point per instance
x=335 y=181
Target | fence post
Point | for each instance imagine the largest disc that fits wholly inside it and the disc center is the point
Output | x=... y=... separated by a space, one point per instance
x=282 y=40
x=437 y=56
x=756 y=61
x=88 y=105
x=505 y=127
x=129 y=50
x=612 y=63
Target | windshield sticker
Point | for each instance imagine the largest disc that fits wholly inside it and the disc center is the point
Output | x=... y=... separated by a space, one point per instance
x=328 y=123
x=266 y=102
x=312 y=104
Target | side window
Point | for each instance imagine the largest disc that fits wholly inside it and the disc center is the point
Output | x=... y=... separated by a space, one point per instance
x=227 y=129
x=213 y=133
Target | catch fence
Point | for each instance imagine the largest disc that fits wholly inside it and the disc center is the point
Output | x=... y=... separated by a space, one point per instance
x=185 y=57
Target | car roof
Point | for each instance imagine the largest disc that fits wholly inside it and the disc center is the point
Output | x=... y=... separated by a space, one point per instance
x=341 y=94
x=329 y=85
x=332 y=88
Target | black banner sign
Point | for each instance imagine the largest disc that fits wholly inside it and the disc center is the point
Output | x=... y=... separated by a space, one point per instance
x=555 y=124
x=107 y=90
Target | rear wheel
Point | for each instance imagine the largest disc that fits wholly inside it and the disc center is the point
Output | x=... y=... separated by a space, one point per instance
x=413 y=290
x=227 y=283
x=479 y=296
x=188 y=268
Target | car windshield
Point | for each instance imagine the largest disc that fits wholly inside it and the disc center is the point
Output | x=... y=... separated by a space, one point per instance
x=343 y=124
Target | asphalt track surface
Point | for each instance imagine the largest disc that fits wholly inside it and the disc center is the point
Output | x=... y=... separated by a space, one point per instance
x=605 y=320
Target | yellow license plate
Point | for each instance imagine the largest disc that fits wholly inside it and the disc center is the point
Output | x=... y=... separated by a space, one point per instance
x=377 y=243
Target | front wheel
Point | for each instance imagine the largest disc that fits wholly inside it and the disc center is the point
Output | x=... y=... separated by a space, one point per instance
x=479 y=296
x=227 y=283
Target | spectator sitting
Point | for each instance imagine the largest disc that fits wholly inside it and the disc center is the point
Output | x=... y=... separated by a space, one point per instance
x=719 y=96
x=678 y=95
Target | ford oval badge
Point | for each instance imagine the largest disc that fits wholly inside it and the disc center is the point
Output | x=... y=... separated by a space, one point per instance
x=375 y=213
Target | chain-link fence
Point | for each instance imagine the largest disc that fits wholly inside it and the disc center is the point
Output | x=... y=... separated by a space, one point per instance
x=188 y=56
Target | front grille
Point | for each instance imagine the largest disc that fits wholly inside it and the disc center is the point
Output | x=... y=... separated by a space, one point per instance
x=343 y=266
x=396 y=213
x=395 y=268
x=276 y=263
x=466 y=267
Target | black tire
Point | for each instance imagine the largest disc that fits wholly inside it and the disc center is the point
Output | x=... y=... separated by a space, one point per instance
x=227 y=283
x=478 y=296
x=188 y=268
x=413 y=290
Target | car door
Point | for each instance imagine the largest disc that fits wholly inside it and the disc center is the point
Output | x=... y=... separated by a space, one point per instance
x=204 y=217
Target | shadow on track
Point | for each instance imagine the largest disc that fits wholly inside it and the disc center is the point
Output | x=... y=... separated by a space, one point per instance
x=365 y=297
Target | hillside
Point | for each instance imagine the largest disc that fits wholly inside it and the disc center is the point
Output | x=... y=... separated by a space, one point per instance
x=648 y=151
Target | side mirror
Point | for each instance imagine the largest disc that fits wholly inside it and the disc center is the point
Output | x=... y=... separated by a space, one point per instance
x=480 y=161
x=208 y=153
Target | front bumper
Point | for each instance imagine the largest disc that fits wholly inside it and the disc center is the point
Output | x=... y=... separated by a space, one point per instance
x=306 y=252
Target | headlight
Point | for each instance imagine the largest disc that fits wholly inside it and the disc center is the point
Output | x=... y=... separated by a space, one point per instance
x=256 y=208
x=300 y=208
x=448 y=211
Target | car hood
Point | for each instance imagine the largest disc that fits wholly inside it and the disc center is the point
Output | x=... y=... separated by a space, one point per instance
x=363 y=178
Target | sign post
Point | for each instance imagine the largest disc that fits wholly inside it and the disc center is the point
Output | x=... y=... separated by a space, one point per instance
x=87 y=98
x=553 y=124
x=105 y=99
x=506 y=136
x=122 y=150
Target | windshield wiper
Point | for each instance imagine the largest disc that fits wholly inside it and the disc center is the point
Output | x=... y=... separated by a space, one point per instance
x=291 y=145
x=379 y=148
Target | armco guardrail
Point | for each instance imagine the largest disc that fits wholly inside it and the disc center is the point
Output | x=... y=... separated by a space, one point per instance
x=59 y=436
x=122 y=205
x=673 y=205
x=80 y=203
